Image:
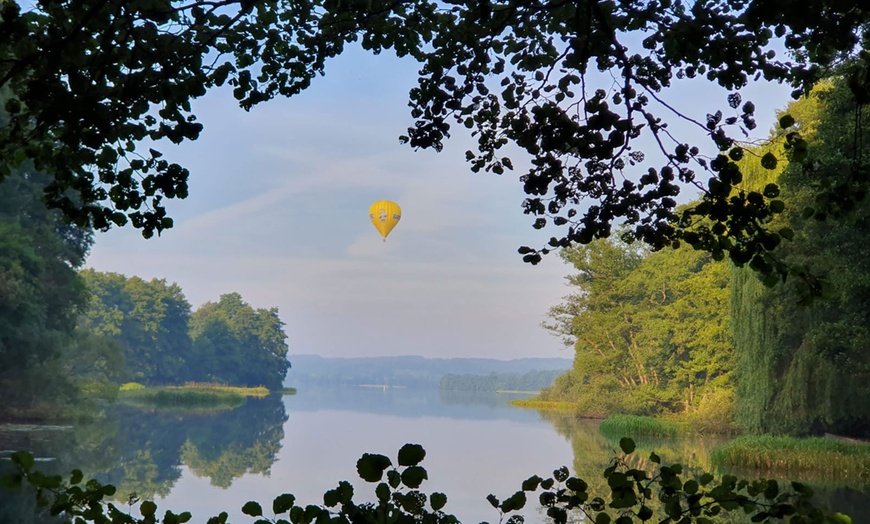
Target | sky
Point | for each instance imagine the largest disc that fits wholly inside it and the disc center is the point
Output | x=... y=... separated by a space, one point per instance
x=278 y=212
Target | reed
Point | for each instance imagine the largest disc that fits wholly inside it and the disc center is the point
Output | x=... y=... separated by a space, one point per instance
x=258 y=391
x=192 y=395
x=183 y=398
x=635 y=426
x=823 y=458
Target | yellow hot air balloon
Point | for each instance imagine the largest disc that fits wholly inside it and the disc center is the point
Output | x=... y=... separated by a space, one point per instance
x=385 y=214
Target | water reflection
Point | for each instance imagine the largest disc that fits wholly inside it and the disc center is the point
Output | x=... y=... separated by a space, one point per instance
x=477 y=444
x=221 y=446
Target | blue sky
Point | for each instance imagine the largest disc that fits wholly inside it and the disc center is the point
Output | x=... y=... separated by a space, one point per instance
x=278 y=211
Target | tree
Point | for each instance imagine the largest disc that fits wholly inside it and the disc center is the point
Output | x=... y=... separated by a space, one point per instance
x=92 y=79
x=40 y=292
x=147 y=318
x=804 y=364
x=651 y=331
x=235 y=343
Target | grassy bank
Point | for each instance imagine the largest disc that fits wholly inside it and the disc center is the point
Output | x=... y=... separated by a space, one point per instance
x=545 y=405
x=788 y=456
x=635 y=427
x=193 y=396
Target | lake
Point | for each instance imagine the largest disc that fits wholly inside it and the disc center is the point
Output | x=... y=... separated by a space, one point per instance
x=304 y=444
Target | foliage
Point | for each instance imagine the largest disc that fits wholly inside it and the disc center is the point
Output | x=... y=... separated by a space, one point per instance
x=148 y=319
x=162 y=342
x=93 y=80
x=634 y=426
x=824 y=457
x=235 y=343
x=144 y=454
x=803 y=364
x=651 y=331
x=634 y=495
x=532 y=381
x=40 y=297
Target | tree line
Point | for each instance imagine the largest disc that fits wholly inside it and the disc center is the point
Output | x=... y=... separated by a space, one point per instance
x=67 y=333
x=163 y=342
x=676 y=331
x=534 y=380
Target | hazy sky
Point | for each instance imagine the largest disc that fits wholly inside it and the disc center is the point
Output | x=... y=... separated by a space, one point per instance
x=279 y=213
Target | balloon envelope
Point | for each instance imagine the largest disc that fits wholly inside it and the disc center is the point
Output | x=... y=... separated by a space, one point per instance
x=385 y=214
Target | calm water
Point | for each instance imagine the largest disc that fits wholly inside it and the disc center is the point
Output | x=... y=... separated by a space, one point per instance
x=304 y=444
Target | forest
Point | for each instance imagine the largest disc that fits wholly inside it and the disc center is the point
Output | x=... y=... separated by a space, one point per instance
x=678 y=332
x=69 y=334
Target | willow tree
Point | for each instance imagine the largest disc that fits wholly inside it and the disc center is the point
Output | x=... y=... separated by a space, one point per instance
x=804 y=364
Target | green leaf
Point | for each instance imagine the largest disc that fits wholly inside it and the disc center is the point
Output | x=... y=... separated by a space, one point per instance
x=371 y=466
x=655 y=459
x=383 y=492
x=411 y=454
x=393 y=478
x=626 y=445
x=561 y=474
x=331 y=498
x=602 y=518
x=786 y=121
x=148 y=508
x=75 y=477
x=531 y=483
x=576 y=485
x=252 y=509
x=771 y=191
x=769 y=161
x=23 y=460
x=219 y=519
x=706 y=478
x=414 y=476
x=772 y=490
x=437 y=500
x=283 y=503
x=494 y=502
x=515 y=502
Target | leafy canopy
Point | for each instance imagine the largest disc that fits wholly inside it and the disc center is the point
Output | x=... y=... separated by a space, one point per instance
x=93 y=80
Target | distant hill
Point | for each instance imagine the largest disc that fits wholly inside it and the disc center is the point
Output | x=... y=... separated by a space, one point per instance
x=407 y=371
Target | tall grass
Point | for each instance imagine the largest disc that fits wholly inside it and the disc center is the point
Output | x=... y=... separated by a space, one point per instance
x=163 y=398
x=259 y=391
x=189 y=397
x=635 y=426
x=813 y=457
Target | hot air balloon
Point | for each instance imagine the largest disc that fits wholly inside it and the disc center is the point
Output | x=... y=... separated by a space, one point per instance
x=385 y=214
